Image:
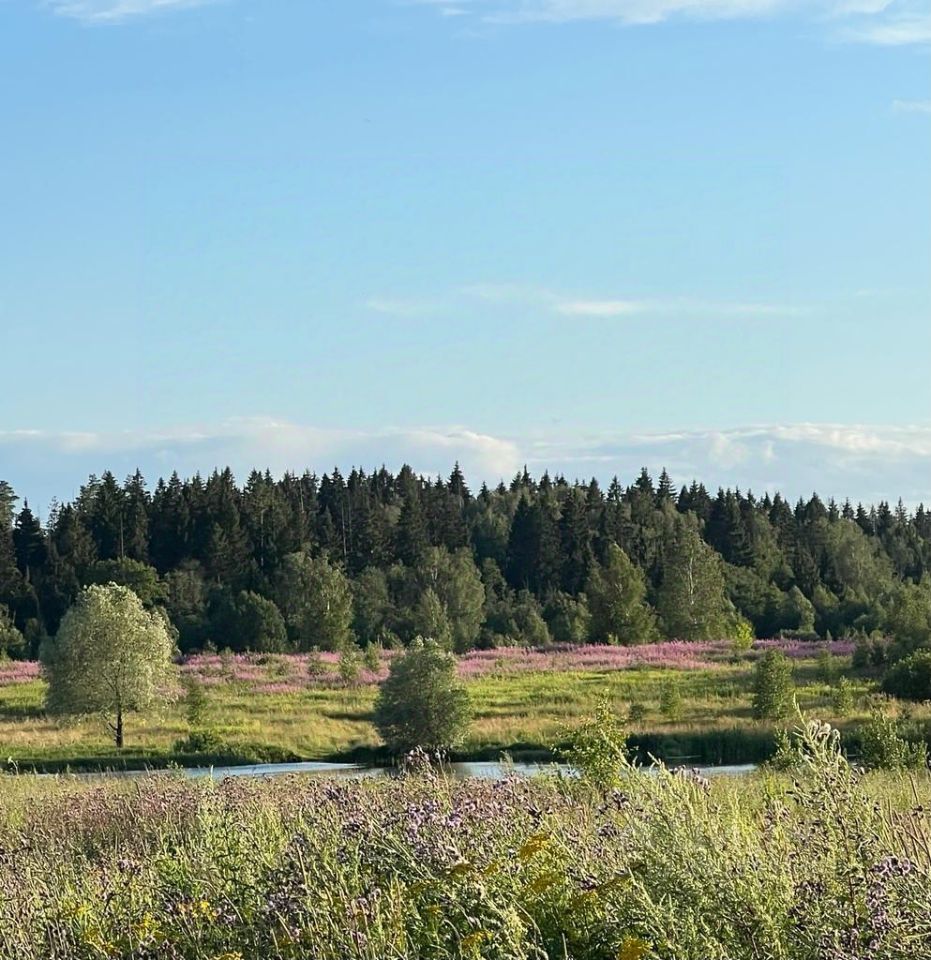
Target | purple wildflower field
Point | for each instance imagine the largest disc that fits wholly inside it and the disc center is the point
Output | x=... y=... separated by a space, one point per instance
x=284 y=674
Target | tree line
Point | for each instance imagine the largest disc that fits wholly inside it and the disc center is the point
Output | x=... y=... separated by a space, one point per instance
x=304 y=561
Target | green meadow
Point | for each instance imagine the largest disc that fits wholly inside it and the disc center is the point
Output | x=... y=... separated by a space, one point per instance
x=694 y=709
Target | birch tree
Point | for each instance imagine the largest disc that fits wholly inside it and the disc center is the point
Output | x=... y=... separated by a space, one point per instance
x=692 y=602
x=111 y=657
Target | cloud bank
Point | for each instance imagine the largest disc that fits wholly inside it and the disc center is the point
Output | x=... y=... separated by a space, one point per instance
x=116 y=11
x=882 y=22
x=548 y=301
x=867 y=463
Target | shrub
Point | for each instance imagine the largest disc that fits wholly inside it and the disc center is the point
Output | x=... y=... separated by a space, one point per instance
x=636 y=713
x=12 y=642
x=773 y=689
x=826 y=667
x=882 y=747
x=350 y=663
x=786 y=755
x=315 y=665
x=371 y=657
x=842 y=697
x=597 y=748
x=422 y=703
x=743 y=635
x=910 y=679
x=200 y=741
x=869 y=652
x=670 y=700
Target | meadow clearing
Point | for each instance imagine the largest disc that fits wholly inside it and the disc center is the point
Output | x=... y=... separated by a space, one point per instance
x=686 y=702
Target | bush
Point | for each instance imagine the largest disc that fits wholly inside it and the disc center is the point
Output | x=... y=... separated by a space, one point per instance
x=773 y=689
x=350 y=663
x=882 y=747
x=842 y=697
x=371 y=657
x=826 y=667
x=636 y=713
x=786 y=755
x=869 y=652
x=315 y=665
x=12 y=642
x=422 y=703
x=200 y=741
x=743 y=635
x=670 y=700
x=910 y=679
x=597 y=748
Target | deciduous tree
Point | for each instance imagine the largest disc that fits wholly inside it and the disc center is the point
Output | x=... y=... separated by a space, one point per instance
x=111 y=657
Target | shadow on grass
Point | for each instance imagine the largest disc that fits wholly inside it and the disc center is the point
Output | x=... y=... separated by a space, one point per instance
x=21 y=711
x=354 y=716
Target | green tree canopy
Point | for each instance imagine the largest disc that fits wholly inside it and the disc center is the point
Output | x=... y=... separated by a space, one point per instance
x=692 y=602
x=142 y=579
x=773 y=689
x=616 y=593
x=422 y=703
x=247 y=621
x=429 y=619
x=110 y=656
x=315 y=599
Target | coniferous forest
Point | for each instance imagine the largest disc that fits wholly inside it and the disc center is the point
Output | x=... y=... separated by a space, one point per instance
x=307 y=561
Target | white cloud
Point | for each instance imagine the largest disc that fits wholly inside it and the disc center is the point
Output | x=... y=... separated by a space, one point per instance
x=549 y=301
x=882 y=22
x=864 y=462
x=894 y=30
x=631 y=11
x=116 y=11
x=867 y=463
x=598 y=308
x=45 y=464
x=911 y=106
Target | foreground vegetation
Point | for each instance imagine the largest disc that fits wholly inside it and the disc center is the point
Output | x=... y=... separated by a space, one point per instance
x=689 y=703
x=822 y=864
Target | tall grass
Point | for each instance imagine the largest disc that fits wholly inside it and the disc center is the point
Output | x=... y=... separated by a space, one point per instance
x=827 y=864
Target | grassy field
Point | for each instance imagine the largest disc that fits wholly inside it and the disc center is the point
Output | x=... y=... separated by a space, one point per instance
x=825 y=864
x=278 y=707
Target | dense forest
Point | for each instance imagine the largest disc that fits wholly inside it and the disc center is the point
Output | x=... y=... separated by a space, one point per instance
x=306 y=561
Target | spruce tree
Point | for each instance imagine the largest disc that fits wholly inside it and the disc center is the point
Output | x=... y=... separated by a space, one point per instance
x=616 y=594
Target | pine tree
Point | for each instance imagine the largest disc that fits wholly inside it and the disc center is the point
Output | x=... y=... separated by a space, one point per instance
x=10 y=576
x=135 y=522
x=575 y=543
x=411 y=541
x=665 y=491
x=170 y=525
x=29 y=544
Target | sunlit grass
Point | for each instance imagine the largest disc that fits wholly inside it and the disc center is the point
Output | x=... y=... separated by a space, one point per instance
x=515 y=706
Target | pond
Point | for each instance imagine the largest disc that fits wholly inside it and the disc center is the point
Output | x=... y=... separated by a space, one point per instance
x=484 y=770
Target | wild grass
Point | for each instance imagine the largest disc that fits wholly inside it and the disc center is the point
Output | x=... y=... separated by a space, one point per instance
x=826 y=864
x=263 y=707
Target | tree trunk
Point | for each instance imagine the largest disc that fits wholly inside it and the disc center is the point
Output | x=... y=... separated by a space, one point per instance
x=118 y=730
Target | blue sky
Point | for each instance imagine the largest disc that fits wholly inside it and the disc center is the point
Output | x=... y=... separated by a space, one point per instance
x=583 y=234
